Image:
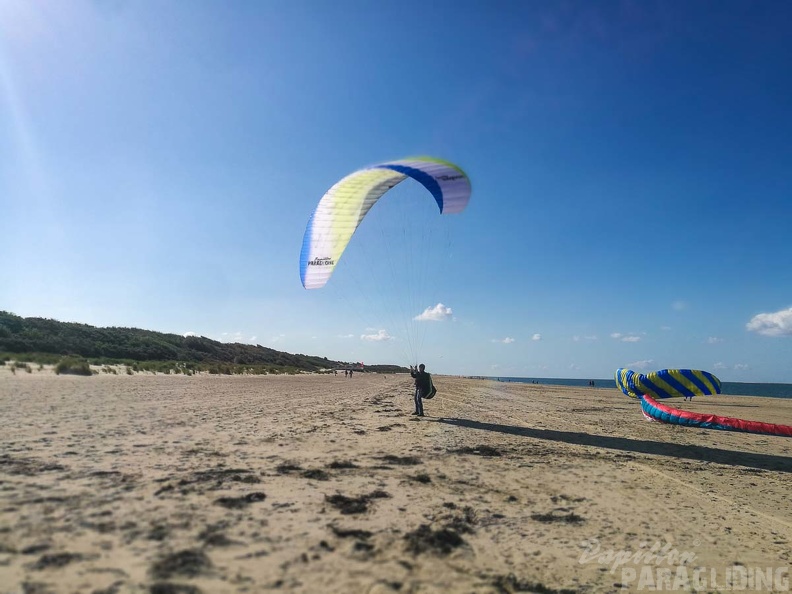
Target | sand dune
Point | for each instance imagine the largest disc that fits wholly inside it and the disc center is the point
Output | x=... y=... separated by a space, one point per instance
x=174 y=484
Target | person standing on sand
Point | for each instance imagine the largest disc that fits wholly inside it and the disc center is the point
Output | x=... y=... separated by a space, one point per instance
x=423 y=384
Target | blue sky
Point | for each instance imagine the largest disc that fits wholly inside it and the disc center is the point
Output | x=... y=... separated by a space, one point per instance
x=631 y=167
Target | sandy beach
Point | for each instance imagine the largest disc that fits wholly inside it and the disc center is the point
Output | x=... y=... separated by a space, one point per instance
x=314 y=483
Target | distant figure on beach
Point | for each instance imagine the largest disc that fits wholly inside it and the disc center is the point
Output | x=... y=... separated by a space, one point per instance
x=423 y=383
x=350 y=373
x=346 y=373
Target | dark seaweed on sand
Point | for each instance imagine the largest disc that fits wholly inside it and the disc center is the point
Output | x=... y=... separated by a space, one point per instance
x=214 y=535
x=463 y=524
x=350 y=533
x=361 y=546
x=342 y=464
x=29 y=550
x=480 y=450
x=220 y=476
x=189 y=563
x=354 y=505
x=240 y=502
x=169 y=588
x=509 y=584
x=401 y=460
x=26 y=466
x=113 y=588
x=287 y=467
x=570 y=518
x=35 y=588
x=162 y=490
x=213 y=479
x=378 y=494
x=316 y=474
x=347 y=505
x=56 y=560
x=158 y=532
x=440 y=542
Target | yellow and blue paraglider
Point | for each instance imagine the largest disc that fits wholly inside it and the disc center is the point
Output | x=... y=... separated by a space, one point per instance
x=343 y=207
x=667 y=383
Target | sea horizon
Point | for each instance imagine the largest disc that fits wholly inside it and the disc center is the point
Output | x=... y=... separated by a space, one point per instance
x=762 y=389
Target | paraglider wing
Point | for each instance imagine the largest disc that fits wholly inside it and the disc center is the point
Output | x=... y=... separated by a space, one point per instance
x=625 y=381
x=343 y=207
x=674 y=383
x=665 y=414
x=670 y=383
x=667 y=383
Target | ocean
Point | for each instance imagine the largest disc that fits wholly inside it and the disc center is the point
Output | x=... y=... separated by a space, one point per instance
x=730 y=388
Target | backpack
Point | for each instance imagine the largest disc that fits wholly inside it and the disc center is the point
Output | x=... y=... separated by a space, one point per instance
x=432 y=391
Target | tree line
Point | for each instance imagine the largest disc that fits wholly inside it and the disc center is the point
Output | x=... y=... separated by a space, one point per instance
x=42 y=336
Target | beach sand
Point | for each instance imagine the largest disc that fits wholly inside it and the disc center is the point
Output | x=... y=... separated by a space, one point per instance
x=315 y=483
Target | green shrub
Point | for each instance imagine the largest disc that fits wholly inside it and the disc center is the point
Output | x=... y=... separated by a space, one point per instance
x=20 y=365
x=72 y=366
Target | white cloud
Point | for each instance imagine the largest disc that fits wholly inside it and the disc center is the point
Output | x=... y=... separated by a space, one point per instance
x=641 y=365
x=438 y=313
x=507 y=340
x=186 y=334
x=625 y=337
x=772 y=324
x=714 y=340
x=346 y=336
x=536 y=336
x=277 y=338
x=237 y=337
x=737 y=366
x=679 y=305
x=380 y=336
